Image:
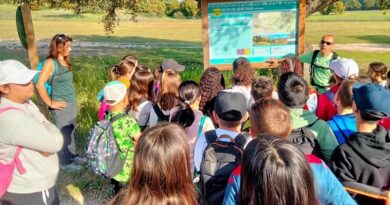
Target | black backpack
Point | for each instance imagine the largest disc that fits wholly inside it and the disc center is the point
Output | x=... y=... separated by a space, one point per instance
x=312 y=65
x=305 y=140
x=160 y=115
x=219 y=160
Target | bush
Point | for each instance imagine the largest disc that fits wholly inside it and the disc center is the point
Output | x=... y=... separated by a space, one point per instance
x=353 y=5
x=178 y=15
x=189 y=8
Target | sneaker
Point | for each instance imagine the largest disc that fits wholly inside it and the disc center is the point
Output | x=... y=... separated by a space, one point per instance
x=72 y=167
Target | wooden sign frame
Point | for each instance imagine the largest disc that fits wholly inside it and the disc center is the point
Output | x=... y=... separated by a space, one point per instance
x=206 y=39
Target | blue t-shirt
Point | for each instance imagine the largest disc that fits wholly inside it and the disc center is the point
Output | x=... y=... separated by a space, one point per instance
x=342 y=126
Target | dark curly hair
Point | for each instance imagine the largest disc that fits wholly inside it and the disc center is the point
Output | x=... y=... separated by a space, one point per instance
x=211 y=82
x=243 y=73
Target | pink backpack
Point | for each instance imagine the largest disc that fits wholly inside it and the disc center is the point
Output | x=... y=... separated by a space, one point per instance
x=7 y=170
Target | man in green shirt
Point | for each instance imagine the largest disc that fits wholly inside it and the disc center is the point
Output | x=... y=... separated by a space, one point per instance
x=319 y=60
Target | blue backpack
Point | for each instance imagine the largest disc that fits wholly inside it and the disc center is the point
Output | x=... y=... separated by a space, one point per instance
x=49 y=82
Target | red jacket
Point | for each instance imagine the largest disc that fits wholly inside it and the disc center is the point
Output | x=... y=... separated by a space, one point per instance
x=327 y=107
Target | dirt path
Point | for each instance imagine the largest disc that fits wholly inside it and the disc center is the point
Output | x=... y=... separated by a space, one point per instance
x=103 y=48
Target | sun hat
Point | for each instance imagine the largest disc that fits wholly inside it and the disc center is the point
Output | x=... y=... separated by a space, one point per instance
x=171 y=64
x=344 y=68
x=114 y=92
x=230 y=106
x=15 y=72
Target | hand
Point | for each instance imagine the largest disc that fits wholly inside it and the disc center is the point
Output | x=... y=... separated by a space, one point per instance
x=273 y=61
x=57 y=105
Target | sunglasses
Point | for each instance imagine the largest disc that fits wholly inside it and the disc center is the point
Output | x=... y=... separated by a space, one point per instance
x=325 y=42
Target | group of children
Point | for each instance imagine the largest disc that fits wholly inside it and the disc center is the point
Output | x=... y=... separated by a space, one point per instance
x=170 y=131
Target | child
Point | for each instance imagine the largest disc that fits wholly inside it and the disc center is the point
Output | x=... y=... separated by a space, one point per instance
x=167 y=97
x=161 y=172
x=343 y=123
x=377 y=73
x=140 y=103
x=189 y=117
x=272 y=117
x=123 y=69
x=343 y=69
x=262 y=87
x=125 y=129
x=365 y=157
x=214 y=156
x=131 y=58
x=23 y=126
x=211 y=82
x=293 y=92
x=242 y=77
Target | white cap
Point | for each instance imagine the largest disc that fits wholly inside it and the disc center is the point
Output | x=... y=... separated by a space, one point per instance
x=344 y=68
x=114 y=92
x=13 y=71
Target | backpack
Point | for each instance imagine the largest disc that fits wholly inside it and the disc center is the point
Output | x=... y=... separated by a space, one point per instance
x=219 y=160
x=103 y=152
x=7 y=170
x=312 y=65
x=305 y=140
x=48 y=85
x=161 y=117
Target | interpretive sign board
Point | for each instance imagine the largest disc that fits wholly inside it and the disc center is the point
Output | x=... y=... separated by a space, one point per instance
x=256 y=29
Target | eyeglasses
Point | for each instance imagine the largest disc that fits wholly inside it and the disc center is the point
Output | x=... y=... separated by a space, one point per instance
x=325 y=42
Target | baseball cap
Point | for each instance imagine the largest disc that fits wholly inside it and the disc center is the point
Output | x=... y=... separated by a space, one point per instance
x=171 y=64
x=230 y=106
x=114 y=92
x=344 y=68
x=238 y=61
x=371 y=97
x=15 y=72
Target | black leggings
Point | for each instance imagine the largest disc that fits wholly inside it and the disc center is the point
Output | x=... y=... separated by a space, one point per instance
x=46 y=197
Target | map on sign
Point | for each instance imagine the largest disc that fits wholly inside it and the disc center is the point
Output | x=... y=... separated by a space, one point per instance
x=257 y=30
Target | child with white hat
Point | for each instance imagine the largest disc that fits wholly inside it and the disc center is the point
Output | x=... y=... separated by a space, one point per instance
x=125 y=128
x=343 y=69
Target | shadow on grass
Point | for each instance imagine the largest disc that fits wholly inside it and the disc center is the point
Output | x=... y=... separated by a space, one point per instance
x=380 y=39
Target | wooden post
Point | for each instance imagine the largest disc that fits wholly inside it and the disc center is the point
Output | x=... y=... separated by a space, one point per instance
x=32 y=50
x=30 y=36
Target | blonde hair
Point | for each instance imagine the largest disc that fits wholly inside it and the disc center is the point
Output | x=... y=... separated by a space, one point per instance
x=170 y=82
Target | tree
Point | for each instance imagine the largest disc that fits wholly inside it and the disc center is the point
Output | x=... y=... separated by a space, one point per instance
x=353 y=5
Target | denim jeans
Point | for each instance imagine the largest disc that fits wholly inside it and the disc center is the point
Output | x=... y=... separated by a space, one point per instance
x=65 y=120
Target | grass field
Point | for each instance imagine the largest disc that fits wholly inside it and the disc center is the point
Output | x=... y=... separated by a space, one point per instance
x=91 y=71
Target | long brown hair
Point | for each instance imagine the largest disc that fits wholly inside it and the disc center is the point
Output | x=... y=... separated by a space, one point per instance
x=274 y=171
x=57 y=45
x=170 y=82
x=121 y=69
x=139 y=88
x=161 y=169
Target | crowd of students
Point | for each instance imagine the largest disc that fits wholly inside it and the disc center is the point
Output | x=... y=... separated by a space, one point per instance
x=188 y=143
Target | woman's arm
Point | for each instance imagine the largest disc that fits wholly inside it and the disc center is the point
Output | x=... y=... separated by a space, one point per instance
x=47 y=70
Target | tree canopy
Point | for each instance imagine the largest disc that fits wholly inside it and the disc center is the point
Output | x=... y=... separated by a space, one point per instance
x=175 y=8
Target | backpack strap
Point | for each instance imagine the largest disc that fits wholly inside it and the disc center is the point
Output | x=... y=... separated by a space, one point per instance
x=330 y=95
x=211 y=136
x=18 y=163
x=241 y=139
x=340 y=138
x=55 y=73
x=117 y=117
x=159 y=113
x=313 y=58
x=200 y=129
x=335 y=56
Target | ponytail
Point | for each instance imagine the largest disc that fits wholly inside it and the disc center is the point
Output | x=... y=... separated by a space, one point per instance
x=185 y=116
x=113 y=73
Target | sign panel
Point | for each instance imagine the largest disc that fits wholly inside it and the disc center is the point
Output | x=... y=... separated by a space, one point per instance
x=255 y=29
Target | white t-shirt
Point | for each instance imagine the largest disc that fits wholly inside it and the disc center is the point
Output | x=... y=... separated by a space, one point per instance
x=246 y=91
